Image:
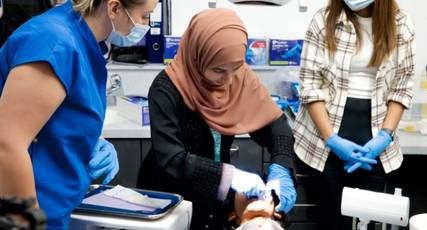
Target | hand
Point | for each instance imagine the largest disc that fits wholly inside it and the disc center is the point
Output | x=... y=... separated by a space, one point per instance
x=249 y=184
x=352 y=166
x=104 y=161
x=347 y=150
x=279 y=180
x=376 y=146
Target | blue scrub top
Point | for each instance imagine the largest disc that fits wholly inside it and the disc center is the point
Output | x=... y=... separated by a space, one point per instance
x=61 y=151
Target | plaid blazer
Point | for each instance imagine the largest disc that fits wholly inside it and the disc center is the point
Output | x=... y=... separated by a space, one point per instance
x=325 y=78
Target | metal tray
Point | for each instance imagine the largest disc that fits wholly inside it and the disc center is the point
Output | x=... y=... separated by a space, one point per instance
x=116 y=212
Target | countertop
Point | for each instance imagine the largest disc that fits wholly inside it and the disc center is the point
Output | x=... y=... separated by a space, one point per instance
x=117 y=126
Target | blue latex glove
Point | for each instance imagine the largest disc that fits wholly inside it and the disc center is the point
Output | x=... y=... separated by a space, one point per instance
x=294 y=51
x=280 y=180
x=103 y=161
x=249 y=184
x=376 y=146
x=352 y=166
x=347 y=150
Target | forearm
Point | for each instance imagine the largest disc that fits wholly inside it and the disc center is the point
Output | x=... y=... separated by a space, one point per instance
x=394 y=114
x=278 y=138
x=319 y=115
x=200 y=177
x=16 y=173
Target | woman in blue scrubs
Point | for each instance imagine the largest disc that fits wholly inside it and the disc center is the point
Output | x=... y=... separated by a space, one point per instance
x=52 y=103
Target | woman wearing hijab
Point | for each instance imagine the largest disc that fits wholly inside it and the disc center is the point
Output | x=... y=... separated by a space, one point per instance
x=202 y=99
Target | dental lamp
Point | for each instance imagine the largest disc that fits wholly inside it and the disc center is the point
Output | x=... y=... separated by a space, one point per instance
x=375 y=206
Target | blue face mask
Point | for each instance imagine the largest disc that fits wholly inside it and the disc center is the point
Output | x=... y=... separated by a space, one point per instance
x=356 y=5
x=137 y=32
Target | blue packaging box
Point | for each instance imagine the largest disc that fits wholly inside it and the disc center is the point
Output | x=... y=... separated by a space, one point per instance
x=145 y=112
x=285 y=52
x=135 y=108
x=256 y=53
x=171 y=47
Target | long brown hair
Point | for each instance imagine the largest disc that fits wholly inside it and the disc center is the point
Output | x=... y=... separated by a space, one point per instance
x=383 y=27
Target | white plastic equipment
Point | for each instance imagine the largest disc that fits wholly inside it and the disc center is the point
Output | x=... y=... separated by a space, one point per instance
x=418 y=222
x=177 y=219
x=375 y=206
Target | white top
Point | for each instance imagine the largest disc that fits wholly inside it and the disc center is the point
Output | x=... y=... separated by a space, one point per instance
x=362 y=77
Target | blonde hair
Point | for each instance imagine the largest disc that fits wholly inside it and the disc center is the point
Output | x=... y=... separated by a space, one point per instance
x=88 y=7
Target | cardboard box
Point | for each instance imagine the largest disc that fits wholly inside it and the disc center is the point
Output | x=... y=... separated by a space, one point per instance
x=171 y=48
x=285 y=52
x=255 y=55
x=257 y=52
x=134 y=109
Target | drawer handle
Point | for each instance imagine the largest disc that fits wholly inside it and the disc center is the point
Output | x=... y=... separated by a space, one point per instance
x=234 y=151
x=234 y=148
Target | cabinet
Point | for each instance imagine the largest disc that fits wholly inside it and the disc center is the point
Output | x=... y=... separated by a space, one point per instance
x=411 y=178
x=146 y=146
x=130 y=158
x=131 y=153
x=304 y=214
x=247 y=156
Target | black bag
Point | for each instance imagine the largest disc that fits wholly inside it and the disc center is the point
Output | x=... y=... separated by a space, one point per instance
x=30 y=217
x=16 y=12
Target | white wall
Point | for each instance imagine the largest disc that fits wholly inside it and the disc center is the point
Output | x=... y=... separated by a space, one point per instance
x=271 y=21
x=416 y=9
x=287 y=22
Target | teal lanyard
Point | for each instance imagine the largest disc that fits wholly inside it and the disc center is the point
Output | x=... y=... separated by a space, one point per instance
x=217 y=145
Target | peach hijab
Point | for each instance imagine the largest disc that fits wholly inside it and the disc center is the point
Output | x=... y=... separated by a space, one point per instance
x=240 y=103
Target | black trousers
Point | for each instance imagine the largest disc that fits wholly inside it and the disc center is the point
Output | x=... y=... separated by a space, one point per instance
x=355 y=126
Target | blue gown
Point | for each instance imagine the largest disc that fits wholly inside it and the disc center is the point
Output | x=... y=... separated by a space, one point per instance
x=61 y=151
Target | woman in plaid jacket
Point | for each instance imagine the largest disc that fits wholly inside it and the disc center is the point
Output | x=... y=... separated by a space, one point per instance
x=357 y=70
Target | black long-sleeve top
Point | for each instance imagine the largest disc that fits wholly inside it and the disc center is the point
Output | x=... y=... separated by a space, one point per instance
x=182 y=153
